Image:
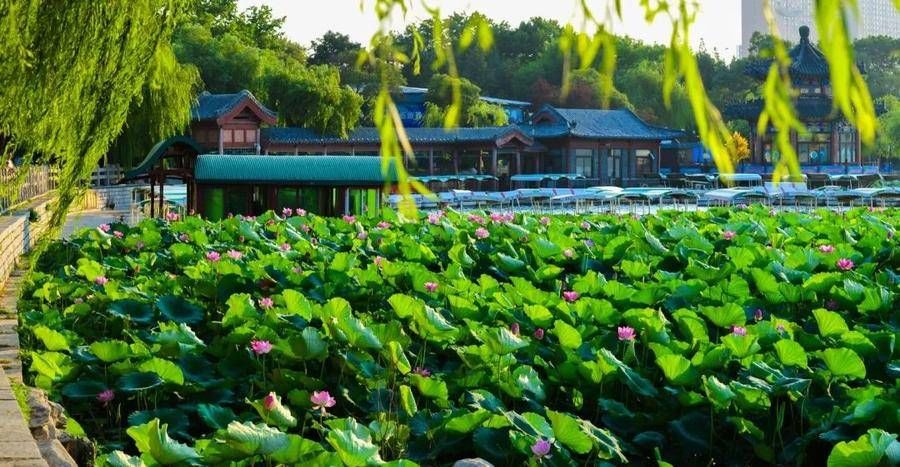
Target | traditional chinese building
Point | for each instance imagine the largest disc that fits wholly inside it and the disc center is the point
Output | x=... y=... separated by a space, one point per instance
x=829 y=140
x=283 y=167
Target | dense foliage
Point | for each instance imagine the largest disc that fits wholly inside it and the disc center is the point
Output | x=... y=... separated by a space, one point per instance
x=734 y=337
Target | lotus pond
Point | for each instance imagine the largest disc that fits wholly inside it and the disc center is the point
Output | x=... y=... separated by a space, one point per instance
x=731 y=337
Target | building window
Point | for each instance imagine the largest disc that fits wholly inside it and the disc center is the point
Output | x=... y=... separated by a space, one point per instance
x=251 y=136
x=584 y=162
x=614 y=164
x=847 y=146
x=238 y=136
x=643 y=163
x=226 y=136
x=814 y=148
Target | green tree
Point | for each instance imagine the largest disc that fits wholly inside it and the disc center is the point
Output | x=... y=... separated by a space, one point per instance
x=644 y=85
x=313 y=97
x=71 y=73
x=880 y=57
x=887 y=141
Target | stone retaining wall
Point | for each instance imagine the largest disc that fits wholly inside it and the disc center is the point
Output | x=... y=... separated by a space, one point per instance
x=19 y=234
x=117 y=197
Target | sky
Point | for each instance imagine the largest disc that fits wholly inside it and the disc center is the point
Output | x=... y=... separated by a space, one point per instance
x=718 y=21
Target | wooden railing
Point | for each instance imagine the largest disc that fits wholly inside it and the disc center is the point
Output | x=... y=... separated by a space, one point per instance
x=38 y=180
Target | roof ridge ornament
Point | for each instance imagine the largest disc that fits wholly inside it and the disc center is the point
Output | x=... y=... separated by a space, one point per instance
x=804 y=33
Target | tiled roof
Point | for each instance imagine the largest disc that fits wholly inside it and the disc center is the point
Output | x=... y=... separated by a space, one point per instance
x=158 y=151
x=369 y=135
x=818 y=107
x=598 y=124
x=212 y=106
x=310 y=170
x=505 y=102
x=807 y=61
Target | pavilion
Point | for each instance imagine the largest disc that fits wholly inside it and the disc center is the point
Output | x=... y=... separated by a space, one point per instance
x=830 y=139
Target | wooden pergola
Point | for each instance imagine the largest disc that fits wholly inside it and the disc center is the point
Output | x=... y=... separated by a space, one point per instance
x=173 y=158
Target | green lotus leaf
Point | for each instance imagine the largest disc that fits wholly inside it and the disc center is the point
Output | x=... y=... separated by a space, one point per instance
x=135 y=310
x=51 y=339
x=353 y=443
x=153 y=439
x=844 y=363
x=168 y=371
x=568 y=431
x=178 y=309
x=255 y=438
x=216 y=416
x=830 y=323
x=568 y=336
x=139 y=381
x=274 y=413
x=791 y=353
x=83 y=389
x=111 y=351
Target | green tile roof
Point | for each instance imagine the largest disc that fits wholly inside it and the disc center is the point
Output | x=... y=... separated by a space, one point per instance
x=299 y=170
x=158 y=151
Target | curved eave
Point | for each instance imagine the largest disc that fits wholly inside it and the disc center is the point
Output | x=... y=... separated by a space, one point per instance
x=158 y=151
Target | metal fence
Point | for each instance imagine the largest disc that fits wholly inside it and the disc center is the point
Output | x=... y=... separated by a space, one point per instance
x=16 y=188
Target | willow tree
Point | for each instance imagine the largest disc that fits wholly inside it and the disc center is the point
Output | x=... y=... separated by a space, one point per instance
x=70 y=74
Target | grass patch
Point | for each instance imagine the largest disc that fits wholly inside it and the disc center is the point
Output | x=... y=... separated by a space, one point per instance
x=21 y=393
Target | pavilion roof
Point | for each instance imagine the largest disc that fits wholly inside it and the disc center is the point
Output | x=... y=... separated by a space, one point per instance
x=552 y=122
x=212 y=107
x=807 y=61
x=291 y=170
x=369 y=135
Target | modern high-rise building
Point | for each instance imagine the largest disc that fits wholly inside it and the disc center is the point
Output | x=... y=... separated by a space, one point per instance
x=876 y=18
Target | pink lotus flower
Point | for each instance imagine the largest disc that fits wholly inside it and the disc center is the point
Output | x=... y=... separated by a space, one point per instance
x=739 y=330
x=431 y=286
x=570 y=295
x=287 y=212
x=269 y=401
x=831 y=304
x=362 y=235
x=213 y=256
x=539 y=333
x=304 y=228
x=826 y=249
x=626 y=333
x=728 y=235
x=184 y=238
x=101 y=280
x=139 y=245
x=235 y=255
x=118 y=234
x=589 y=243
x=845 y=264
x=297 y=270
x=585 y=225
x=104 y=228
x=285 y=247
x=300 y=211
x=172 y=216
x=541 y=448
x=568 y=253
x=266 y=303
x=514 y=328
x=384 y=225
x=349 y=219
x=758 y=315
x=322 y=400
x=482 y=233
x=250 y=218
x=106 y=396
x=434 y=218
x=545 y=220
x=260 y=347
x=422 y=371
x=379 y=261
x=476 y=219
x=779 y=328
